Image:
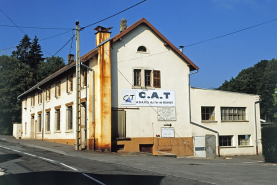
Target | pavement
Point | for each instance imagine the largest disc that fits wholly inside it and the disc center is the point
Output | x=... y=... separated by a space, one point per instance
x=220 y=170
x=97 y=155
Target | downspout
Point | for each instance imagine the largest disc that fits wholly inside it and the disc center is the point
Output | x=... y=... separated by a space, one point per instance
x=256 y=126
x=42 y=114
x=199 y=125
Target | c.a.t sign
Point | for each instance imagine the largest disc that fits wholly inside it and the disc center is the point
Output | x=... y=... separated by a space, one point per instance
x=145 y=98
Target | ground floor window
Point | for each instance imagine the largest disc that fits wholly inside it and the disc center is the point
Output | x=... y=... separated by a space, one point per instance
x=69 y=120
x=225 y=140
x=58 y=119
x=244 y=140
x=39 y=122
x=48 y=121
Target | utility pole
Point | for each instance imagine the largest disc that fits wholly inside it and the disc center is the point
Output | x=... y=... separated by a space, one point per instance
x=78 y=89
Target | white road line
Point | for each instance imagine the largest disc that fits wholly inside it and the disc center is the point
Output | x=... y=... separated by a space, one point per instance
x=46 y=159
x=69 y=167
x=93 y=179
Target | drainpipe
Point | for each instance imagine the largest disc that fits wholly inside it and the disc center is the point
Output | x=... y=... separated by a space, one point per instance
x=199 y=125
x=256 y=126
x=42 y=114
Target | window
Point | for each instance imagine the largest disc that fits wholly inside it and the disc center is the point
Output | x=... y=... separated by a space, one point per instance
x=225 y=140
x=244 y=140
x=58 y=119
x=137 y=77
x=146 y=78
x=48 y=93
x=207 y=113
x=69 y=84
x=39 y=123
x=142 y=49
x=39 y=97
x=25 y=104
x=33 y=100
x=84 y=77
x=233 y=113
x=69 y=115
x=48 y=121
x=58 y=89
x=25 y=128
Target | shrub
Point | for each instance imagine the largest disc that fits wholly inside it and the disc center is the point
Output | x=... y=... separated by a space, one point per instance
x=269 y=141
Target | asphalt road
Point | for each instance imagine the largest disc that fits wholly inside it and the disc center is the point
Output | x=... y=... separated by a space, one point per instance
x=26 y=165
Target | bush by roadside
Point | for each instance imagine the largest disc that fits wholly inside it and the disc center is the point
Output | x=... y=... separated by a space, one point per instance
x=269 y=141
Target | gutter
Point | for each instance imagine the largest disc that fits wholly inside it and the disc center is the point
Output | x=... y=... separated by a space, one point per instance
x=256 y=125
x=199 y=125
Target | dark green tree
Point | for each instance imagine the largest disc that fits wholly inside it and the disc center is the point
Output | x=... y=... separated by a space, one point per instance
x=260 y=79
x=51 y=65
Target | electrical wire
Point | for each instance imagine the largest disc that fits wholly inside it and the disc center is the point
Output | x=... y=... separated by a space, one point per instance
x=55 y=35
x=230 y=33
x=38 y=27
x=64 y=45
x=12 y=21
x=7 y=48
x=112 y=15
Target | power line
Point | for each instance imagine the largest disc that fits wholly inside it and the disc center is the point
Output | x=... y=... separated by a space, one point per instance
x=7 y=48
x=55 y=35
x=64 y=45
x=113 y=15
x=37 y=27
x=12 y=21
x=231 y=33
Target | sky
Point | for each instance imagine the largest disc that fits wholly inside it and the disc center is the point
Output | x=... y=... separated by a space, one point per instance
x=182 y=22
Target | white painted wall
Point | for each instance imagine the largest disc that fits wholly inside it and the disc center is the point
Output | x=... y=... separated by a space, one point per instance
x=174 y=76
x=218 y=99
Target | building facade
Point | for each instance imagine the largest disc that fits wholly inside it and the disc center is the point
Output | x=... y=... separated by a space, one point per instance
x=136 y=97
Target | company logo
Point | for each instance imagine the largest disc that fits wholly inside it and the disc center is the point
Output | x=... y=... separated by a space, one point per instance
x=128 y=98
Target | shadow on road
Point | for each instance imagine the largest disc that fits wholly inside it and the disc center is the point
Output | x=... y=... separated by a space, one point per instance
x=68 y=178
x=8 y=157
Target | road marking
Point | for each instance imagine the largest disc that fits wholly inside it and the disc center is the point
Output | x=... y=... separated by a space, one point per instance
x=69 y=167
x=93 y=179
x=1 y=172
x=46 y=159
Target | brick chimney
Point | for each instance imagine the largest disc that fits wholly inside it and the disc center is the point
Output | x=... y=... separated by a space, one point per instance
x=70 y=58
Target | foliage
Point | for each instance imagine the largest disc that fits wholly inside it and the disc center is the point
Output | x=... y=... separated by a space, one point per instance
x=260 y=79
x=269 y=142
x=19 y=72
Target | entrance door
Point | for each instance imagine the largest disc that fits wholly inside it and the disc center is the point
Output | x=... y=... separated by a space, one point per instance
x=118 y=127
x=210 y=146
x=83 y=126
x=199 y=146
x=32 y=127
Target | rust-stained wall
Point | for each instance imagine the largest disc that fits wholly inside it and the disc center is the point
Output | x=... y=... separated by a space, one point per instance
x=161 y=146
x=103 y=94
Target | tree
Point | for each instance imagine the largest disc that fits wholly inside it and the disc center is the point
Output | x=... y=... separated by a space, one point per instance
x=19 y=72
x=260 y=79
x=14 y=80
x=51 y=65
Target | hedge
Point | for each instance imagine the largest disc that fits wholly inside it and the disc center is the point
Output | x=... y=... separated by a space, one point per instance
x=269 y=141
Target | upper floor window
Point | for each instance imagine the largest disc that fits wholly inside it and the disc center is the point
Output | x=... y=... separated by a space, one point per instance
x=39 y=97
x=207 y=113
x=146 y=78
x=69 y=83
x=233 y=113
x=58 y=89
x=48 y=93
x=33 y=100
x=142 y=49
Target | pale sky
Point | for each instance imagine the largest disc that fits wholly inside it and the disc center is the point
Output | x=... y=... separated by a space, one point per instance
x=183 y=22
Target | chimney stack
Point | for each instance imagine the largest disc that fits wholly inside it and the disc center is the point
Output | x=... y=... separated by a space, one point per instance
x=181 y=48
x=70 y=58
x=123 y=24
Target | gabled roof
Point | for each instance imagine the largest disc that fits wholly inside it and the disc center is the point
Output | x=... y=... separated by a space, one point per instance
x=85 y=58
x=192 y=66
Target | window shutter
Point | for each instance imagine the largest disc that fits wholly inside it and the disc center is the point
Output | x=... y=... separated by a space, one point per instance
x=49 y=93
x=71 y=82
x=56 y=86
x=67 y=84
x=157 y=78
x=85 y=77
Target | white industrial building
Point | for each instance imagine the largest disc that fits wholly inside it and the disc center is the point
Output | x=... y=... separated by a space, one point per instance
x=136 y=97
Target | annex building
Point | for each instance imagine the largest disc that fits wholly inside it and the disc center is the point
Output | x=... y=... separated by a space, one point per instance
x=136 y=97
